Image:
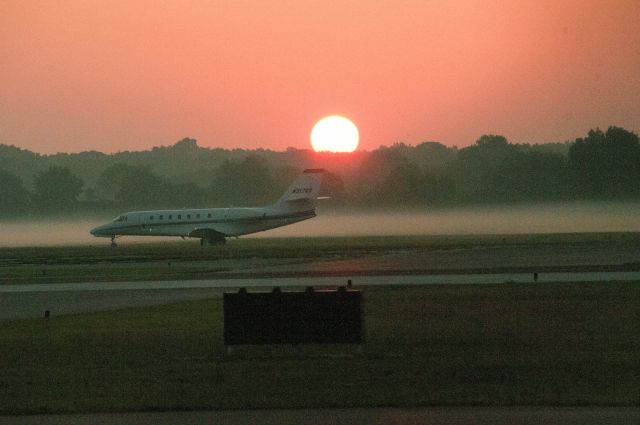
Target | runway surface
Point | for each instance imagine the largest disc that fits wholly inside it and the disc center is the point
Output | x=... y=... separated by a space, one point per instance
x=31 y=301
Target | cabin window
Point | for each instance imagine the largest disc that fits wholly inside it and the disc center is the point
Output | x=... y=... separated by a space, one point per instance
x=209 y=215
x=170 y=216
x=160 y=217
x=150 y=217
x=197 y=215
x=188 y=215
x=179 y=216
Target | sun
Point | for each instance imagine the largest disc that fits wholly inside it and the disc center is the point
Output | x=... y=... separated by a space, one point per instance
x=334 y=134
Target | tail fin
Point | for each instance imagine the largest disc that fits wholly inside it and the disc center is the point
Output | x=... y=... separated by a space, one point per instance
x=304 y=190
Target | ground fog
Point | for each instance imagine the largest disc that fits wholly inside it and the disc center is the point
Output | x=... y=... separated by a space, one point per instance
x=547 y=218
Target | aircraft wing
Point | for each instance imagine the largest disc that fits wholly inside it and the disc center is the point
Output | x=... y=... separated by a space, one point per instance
x=206 y=233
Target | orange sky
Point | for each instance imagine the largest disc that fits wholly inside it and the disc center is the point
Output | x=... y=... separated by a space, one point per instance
x=129 y=75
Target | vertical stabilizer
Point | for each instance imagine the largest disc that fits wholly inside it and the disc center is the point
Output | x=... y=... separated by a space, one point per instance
x=303 y=192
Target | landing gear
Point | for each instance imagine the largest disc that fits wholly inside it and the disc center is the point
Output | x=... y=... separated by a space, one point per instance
x=113 y=242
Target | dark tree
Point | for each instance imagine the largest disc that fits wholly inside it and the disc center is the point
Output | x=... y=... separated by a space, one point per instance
x=477 y=166
x=187 y=195
x=436 y=157
x=140 y=188
x=243 y=183
x=372 y=182
x=494 y=170
x=111 y=180
x=403 y=186
x=57 y=189
x=605 y=165
x=137 y=187
x=14 y=198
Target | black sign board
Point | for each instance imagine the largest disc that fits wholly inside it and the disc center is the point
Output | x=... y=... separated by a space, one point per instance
x=309 y=317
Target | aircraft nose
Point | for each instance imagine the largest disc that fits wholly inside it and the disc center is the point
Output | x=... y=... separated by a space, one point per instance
x=97 y=231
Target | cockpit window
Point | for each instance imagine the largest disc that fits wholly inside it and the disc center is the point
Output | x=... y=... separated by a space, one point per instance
x=120 y=218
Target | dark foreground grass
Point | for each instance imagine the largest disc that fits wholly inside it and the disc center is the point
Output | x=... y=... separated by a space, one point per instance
x=524 y=344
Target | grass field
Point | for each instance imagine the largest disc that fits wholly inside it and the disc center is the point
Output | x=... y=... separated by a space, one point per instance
x=519 y=344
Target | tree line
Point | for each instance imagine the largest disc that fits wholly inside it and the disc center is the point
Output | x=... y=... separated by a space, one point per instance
x=604 y=165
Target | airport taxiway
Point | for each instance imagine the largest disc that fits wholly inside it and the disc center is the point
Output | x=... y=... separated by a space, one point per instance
x=32 y=300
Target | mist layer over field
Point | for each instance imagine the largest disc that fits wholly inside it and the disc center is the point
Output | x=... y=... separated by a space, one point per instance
x=548 y=218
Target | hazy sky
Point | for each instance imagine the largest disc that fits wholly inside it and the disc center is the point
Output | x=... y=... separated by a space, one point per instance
x=129 y=75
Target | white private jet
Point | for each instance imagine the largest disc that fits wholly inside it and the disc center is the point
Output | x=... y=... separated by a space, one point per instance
x=213 y=225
